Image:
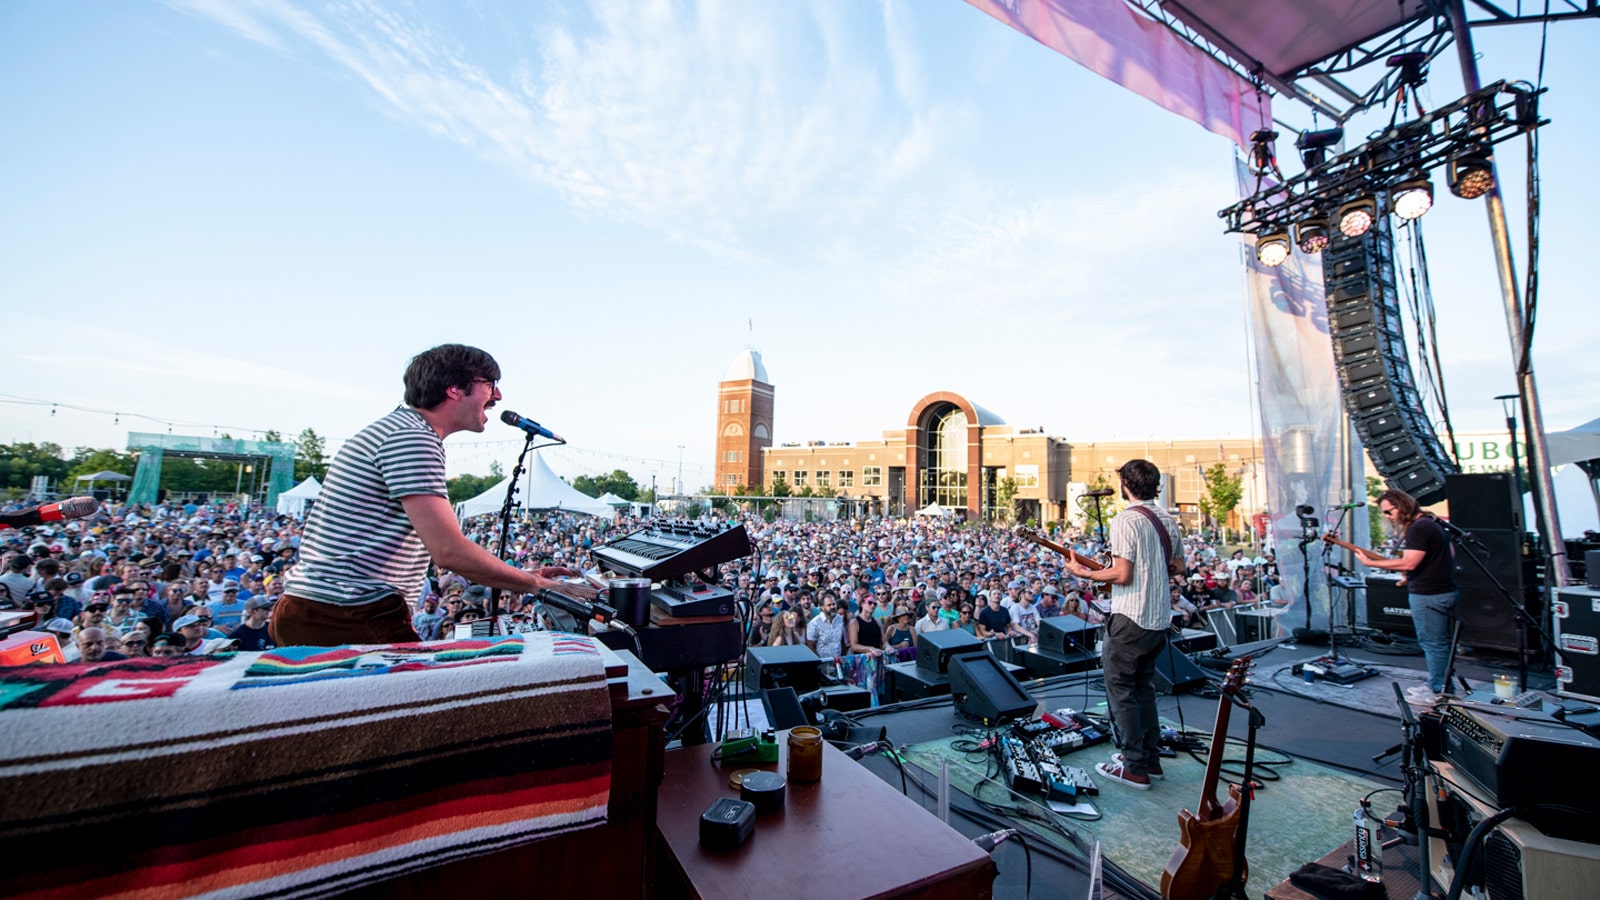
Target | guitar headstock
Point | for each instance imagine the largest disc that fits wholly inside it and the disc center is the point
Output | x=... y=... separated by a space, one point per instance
x=1026 y=533
x=1237 y=673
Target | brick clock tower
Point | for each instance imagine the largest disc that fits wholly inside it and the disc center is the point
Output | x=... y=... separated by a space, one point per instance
x=744 y=421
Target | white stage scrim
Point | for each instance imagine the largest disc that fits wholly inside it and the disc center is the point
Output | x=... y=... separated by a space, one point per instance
x=1298 y=387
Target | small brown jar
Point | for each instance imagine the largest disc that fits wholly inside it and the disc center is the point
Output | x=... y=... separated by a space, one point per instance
x=805 y=754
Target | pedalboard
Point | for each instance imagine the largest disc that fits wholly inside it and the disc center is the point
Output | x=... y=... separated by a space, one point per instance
x=1029 y=756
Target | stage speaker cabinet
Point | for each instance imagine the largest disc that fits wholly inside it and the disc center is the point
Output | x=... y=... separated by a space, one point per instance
x=983 y=689
x=1576 y=616
x=783 y=708
x=1485 y=500
x=1176 y=673
x=935 y=648
x=1252 y=625
x=792 y=666
x=1389 y=606
x=1067 y=635
x=1487 y=620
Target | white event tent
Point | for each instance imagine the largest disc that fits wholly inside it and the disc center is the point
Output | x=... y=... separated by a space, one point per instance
x=541 y=489
x=293 y=502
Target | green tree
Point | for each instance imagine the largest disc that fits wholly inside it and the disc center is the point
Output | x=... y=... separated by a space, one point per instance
x=465 y=487
x=1222 y=494
x=88 y=461
x=21 y=462
x=1005 y=499
x=1377 y=528
x=310 y=456
x=780 y=487
x=619 y=482
x=272 y=437
x=1108 y=508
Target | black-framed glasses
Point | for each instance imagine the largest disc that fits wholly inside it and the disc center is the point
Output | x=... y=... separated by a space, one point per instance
x=493 y=386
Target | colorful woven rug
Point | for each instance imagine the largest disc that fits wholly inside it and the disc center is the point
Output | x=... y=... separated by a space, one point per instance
x=300 y=772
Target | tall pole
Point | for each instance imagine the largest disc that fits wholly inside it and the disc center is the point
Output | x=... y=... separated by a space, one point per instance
x=1544 y=498
x=679 y=489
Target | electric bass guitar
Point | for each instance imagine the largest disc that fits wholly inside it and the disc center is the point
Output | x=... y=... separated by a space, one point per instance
x=1204 y=860
x=1028 y=534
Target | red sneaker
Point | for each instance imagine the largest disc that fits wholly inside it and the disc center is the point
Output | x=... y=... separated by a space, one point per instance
x=1117 y=772
x=1155 y=770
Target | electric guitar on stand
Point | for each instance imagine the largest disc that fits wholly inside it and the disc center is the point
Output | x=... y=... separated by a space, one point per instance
x=1207 y=858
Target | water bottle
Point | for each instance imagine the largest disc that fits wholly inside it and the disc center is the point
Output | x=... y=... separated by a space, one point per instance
x=1369 y=850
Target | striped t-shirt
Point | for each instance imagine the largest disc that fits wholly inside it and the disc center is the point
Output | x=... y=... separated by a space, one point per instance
x=359 y=546
x=1147 y=598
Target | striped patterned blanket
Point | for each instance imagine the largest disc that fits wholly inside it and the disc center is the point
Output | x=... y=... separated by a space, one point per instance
x=299 y=772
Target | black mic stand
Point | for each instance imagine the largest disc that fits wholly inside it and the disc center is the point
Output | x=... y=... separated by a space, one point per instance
x=1524 y=619
x=505 y=520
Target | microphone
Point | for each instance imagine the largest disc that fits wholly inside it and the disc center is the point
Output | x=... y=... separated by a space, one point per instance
x=1351 y=505
x=75 y=508
x=1455 y=530
x=577 y=609
x=1103 y=492
x=530 y=426
x=862 y=750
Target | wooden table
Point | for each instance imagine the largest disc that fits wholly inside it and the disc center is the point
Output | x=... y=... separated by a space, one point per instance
x=850 y=834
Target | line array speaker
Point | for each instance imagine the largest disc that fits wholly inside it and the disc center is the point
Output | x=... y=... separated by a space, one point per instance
x=1374 y=369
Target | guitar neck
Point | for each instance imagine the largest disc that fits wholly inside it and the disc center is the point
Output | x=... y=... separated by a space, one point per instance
x=1068 y=552
x=1209 y=804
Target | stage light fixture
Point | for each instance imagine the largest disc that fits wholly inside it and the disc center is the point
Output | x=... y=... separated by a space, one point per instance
x=1470 y=174
x=1272 y=248
x=1357 y=216
x=1412 y=196
x=1311 y=235
x=1313 y=145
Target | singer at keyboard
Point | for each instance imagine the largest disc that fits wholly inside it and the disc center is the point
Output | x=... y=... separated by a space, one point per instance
x=384 y=512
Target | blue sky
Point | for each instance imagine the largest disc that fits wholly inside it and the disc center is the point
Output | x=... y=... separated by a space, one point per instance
x=239 y=216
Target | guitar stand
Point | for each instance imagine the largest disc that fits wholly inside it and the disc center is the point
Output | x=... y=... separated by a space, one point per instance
x=1234 y=888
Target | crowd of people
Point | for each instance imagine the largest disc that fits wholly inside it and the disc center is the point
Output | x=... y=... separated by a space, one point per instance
x=172 y=579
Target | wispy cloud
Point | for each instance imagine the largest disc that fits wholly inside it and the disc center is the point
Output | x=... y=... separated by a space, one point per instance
x=714 y=122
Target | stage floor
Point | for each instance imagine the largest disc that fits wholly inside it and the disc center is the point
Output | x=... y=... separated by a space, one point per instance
x=1302 y=813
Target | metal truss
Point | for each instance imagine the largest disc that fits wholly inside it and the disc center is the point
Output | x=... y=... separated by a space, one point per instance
x=1485 y=117
x=1325 y=85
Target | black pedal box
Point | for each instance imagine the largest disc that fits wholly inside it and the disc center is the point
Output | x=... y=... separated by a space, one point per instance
x=726 y=823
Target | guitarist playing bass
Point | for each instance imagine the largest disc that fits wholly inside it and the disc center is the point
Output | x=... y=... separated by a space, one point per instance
x=1144 y=550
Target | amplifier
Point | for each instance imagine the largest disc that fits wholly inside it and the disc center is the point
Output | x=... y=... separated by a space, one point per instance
x=791 y=666
x=1576 y=616
x=1389 y=606
x=1521 y=757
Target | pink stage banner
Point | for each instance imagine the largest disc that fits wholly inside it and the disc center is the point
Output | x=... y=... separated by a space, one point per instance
x=1113 y=40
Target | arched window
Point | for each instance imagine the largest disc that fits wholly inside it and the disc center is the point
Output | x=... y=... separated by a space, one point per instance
x=734 y=429
x=945 y=479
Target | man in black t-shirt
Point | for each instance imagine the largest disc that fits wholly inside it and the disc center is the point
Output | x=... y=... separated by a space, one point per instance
x=1430 y=581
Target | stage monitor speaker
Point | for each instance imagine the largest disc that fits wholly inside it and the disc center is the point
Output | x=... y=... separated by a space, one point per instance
x=783 y=708
x=1176 y=673
x=935 y=648
x=1066 y=635
x=983 y=689
x=1487 y=620
x=1389 y=606
x=1253 y=625
x=792 y=666
x=1487 y=500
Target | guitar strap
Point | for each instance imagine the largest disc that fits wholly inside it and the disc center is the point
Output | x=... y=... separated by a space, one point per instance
x=1161 y=531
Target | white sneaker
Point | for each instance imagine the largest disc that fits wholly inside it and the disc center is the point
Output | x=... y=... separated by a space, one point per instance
x=1421 y=695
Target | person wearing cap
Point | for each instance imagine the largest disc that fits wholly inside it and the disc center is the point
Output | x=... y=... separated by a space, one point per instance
x=135 y=644
x=426 y=620
x=228 y=610
x=166 y=644
x=194 y=631
x=252 y=633
x=385 y=512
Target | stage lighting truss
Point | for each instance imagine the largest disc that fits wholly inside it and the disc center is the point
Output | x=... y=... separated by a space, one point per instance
x=1357 y=216
x=1272 y=248
x=1411 y=197
x=1459 y=136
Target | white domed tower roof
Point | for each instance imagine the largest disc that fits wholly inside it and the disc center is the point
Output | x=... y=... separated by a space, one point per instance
x=747 y=366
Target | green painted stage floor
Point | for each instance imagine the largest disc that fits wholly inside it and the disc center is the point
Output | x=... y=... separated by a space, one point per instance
x=1293 y=821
